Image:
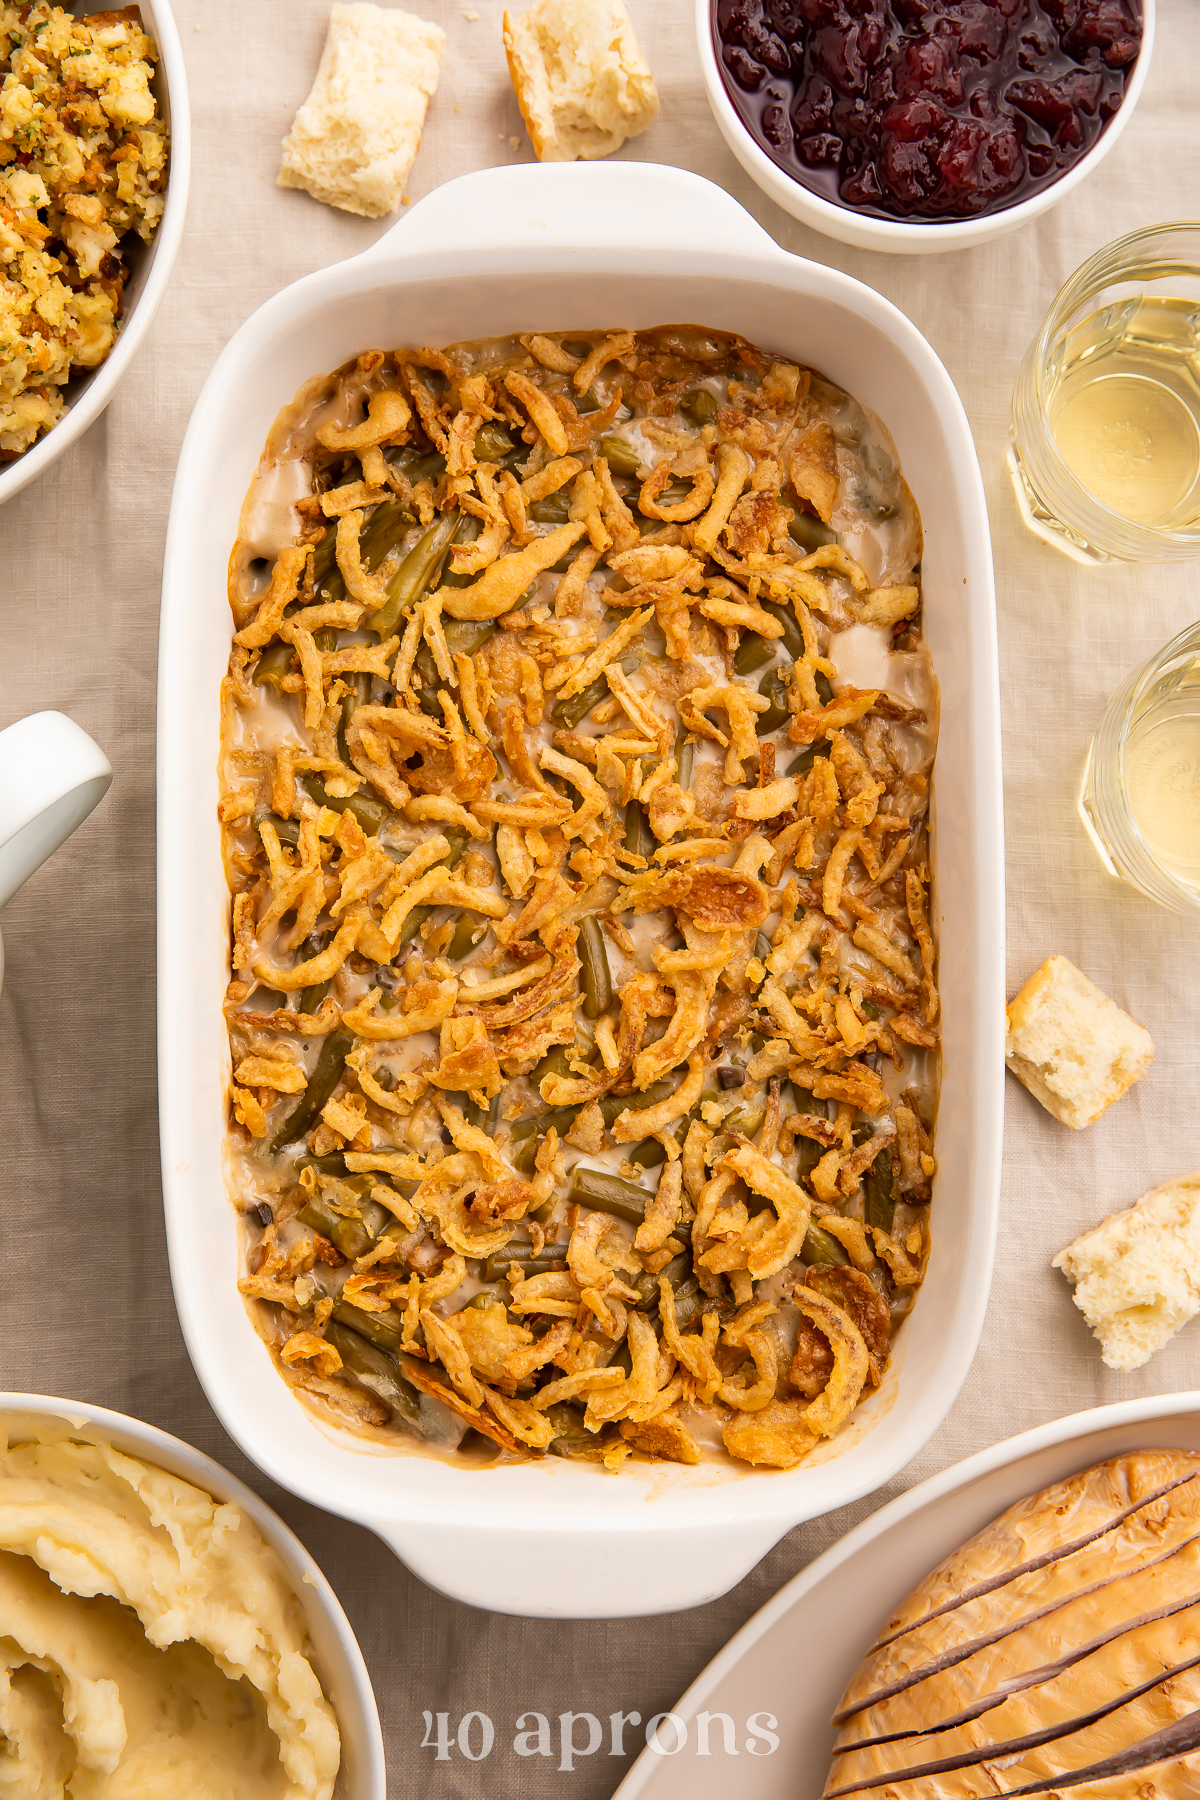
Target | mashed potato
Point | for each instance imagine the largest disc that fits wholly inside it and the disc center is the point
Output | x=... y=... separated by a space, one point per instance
x=83 y=161
x=150 y=1642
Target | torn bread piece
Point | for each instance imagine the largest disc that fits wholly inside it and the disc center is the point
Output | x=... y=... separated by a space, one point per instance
x=582 y=83
x=353 y=141
x=1071 y=1046
x=1137 y=1274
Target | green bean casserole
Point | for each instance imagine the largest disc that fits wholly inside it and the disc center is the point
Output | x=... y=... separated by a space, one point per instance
x=574 y=790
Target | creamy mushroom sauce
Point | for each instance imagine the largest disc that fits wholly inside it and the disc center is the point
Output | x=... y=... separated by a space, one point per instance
x=692 y=397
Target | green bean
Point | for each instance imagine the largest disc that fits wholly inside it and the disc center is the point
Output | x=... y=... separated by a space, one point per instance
x=648 y=1154
x=824 y=691
x=572 y=1437
x=774 y=687
x=326 y=1074
x=880 y=1207
x=286 y=830
x=811 y=1153
x=687 y=1306
x=492 y=443
x=416 y=573
x=272 y=666
x=553 y=1063
x=325 y=555
x=333 y=1164
x=620 y=456
x=560 y=1119
x=465 y=636
x=752 y=653
x=413 y=923
x=672 y=494
x=792 y=640
x=821 y=1249
x=386 y=525
x=588 y=403
x=496 y=1295
x=419 y=465
x=872 y=1011
x=594 y=975
x=639 y=839
x=700 y=406
x=350 y=1236
x=311 y=997
x=810 y=533
x=684 y=756
x=359 y=695
x=747 y=1121
x=762 y=946
x=612 y=1105
x=373 y=1369
x=495 y=1267
x=804 y=762
x=608 y=1194
x=569 y=712
x=467 y=933
x=383 y=1329
x=371 y=814
x=554 y=509
x=647 y=1284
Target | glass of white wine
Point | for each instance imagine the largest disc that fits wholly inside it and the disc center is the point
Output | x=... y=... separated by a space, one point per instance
x=1140 y=795
x=1105 y=441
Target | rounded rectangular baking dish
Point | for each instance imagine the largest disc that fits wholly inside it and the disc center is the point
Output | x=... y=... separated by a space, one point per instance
x=843 y=1598
x=539 y=248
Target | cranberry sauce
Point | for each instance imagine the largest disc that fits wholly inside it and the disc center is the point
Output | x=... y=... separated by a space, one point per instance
x=926 y=109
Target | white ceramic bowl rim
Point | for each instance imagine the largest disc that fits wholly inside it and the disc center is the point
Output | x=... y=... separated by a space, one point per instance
x=159 y=260
x=497 y=246
x=846 y=223
x=337 y=1656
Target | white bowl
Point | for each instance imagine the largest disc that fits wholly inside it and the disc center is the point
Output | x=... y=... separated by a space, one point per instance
x=151 y=264
x=337 y=1658
x=909 y=237
x=560 y=246
x=793 y=1659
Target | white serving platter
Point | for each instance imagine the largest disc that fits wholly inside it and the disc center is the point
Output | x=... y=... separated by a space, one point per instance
x=793 y=1659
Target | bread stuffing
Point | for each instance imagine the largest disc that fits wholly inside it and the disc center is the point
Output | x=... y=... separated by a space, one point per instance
x=83 y=169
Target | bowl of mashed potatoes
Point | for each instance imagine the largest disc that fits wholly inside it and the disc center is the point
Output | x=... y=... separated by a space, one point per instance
x=161 y=1630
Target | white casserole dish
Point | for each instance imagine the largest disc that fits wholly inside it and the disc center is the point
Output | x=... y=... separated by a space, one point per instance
x=337 y=1658
x=151 y=264
x=836 y=1605
x=506 y=250
x=910 y=237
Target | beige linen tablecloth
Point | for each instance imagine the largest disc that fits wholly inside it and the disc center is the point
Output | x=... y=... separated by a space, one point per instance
x=87 y=1307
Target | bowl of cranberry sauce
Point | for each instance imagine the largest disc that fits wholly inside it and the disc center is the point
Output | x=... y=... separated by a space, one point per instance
x=922 y=124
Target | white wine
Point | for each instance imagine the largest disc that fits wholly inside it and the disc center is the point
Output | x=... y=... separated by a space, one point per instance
x=1124 y=408
x=1162 y=779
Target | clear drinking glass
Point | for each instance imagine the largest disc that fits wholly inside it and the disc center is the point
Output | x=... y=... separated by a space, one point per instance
x=1105 y=440
x=1140 y=796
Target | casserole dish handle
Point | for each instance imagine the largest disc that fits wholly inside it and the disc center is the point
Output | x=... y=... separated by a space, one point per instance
x=556 y=207
x=584 y=1571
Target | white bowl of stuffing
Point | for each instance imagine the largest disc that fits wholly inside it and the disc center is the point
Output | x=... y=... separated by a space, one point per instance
x=551 y=1147
x=94 y=174
x=166 y=1631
